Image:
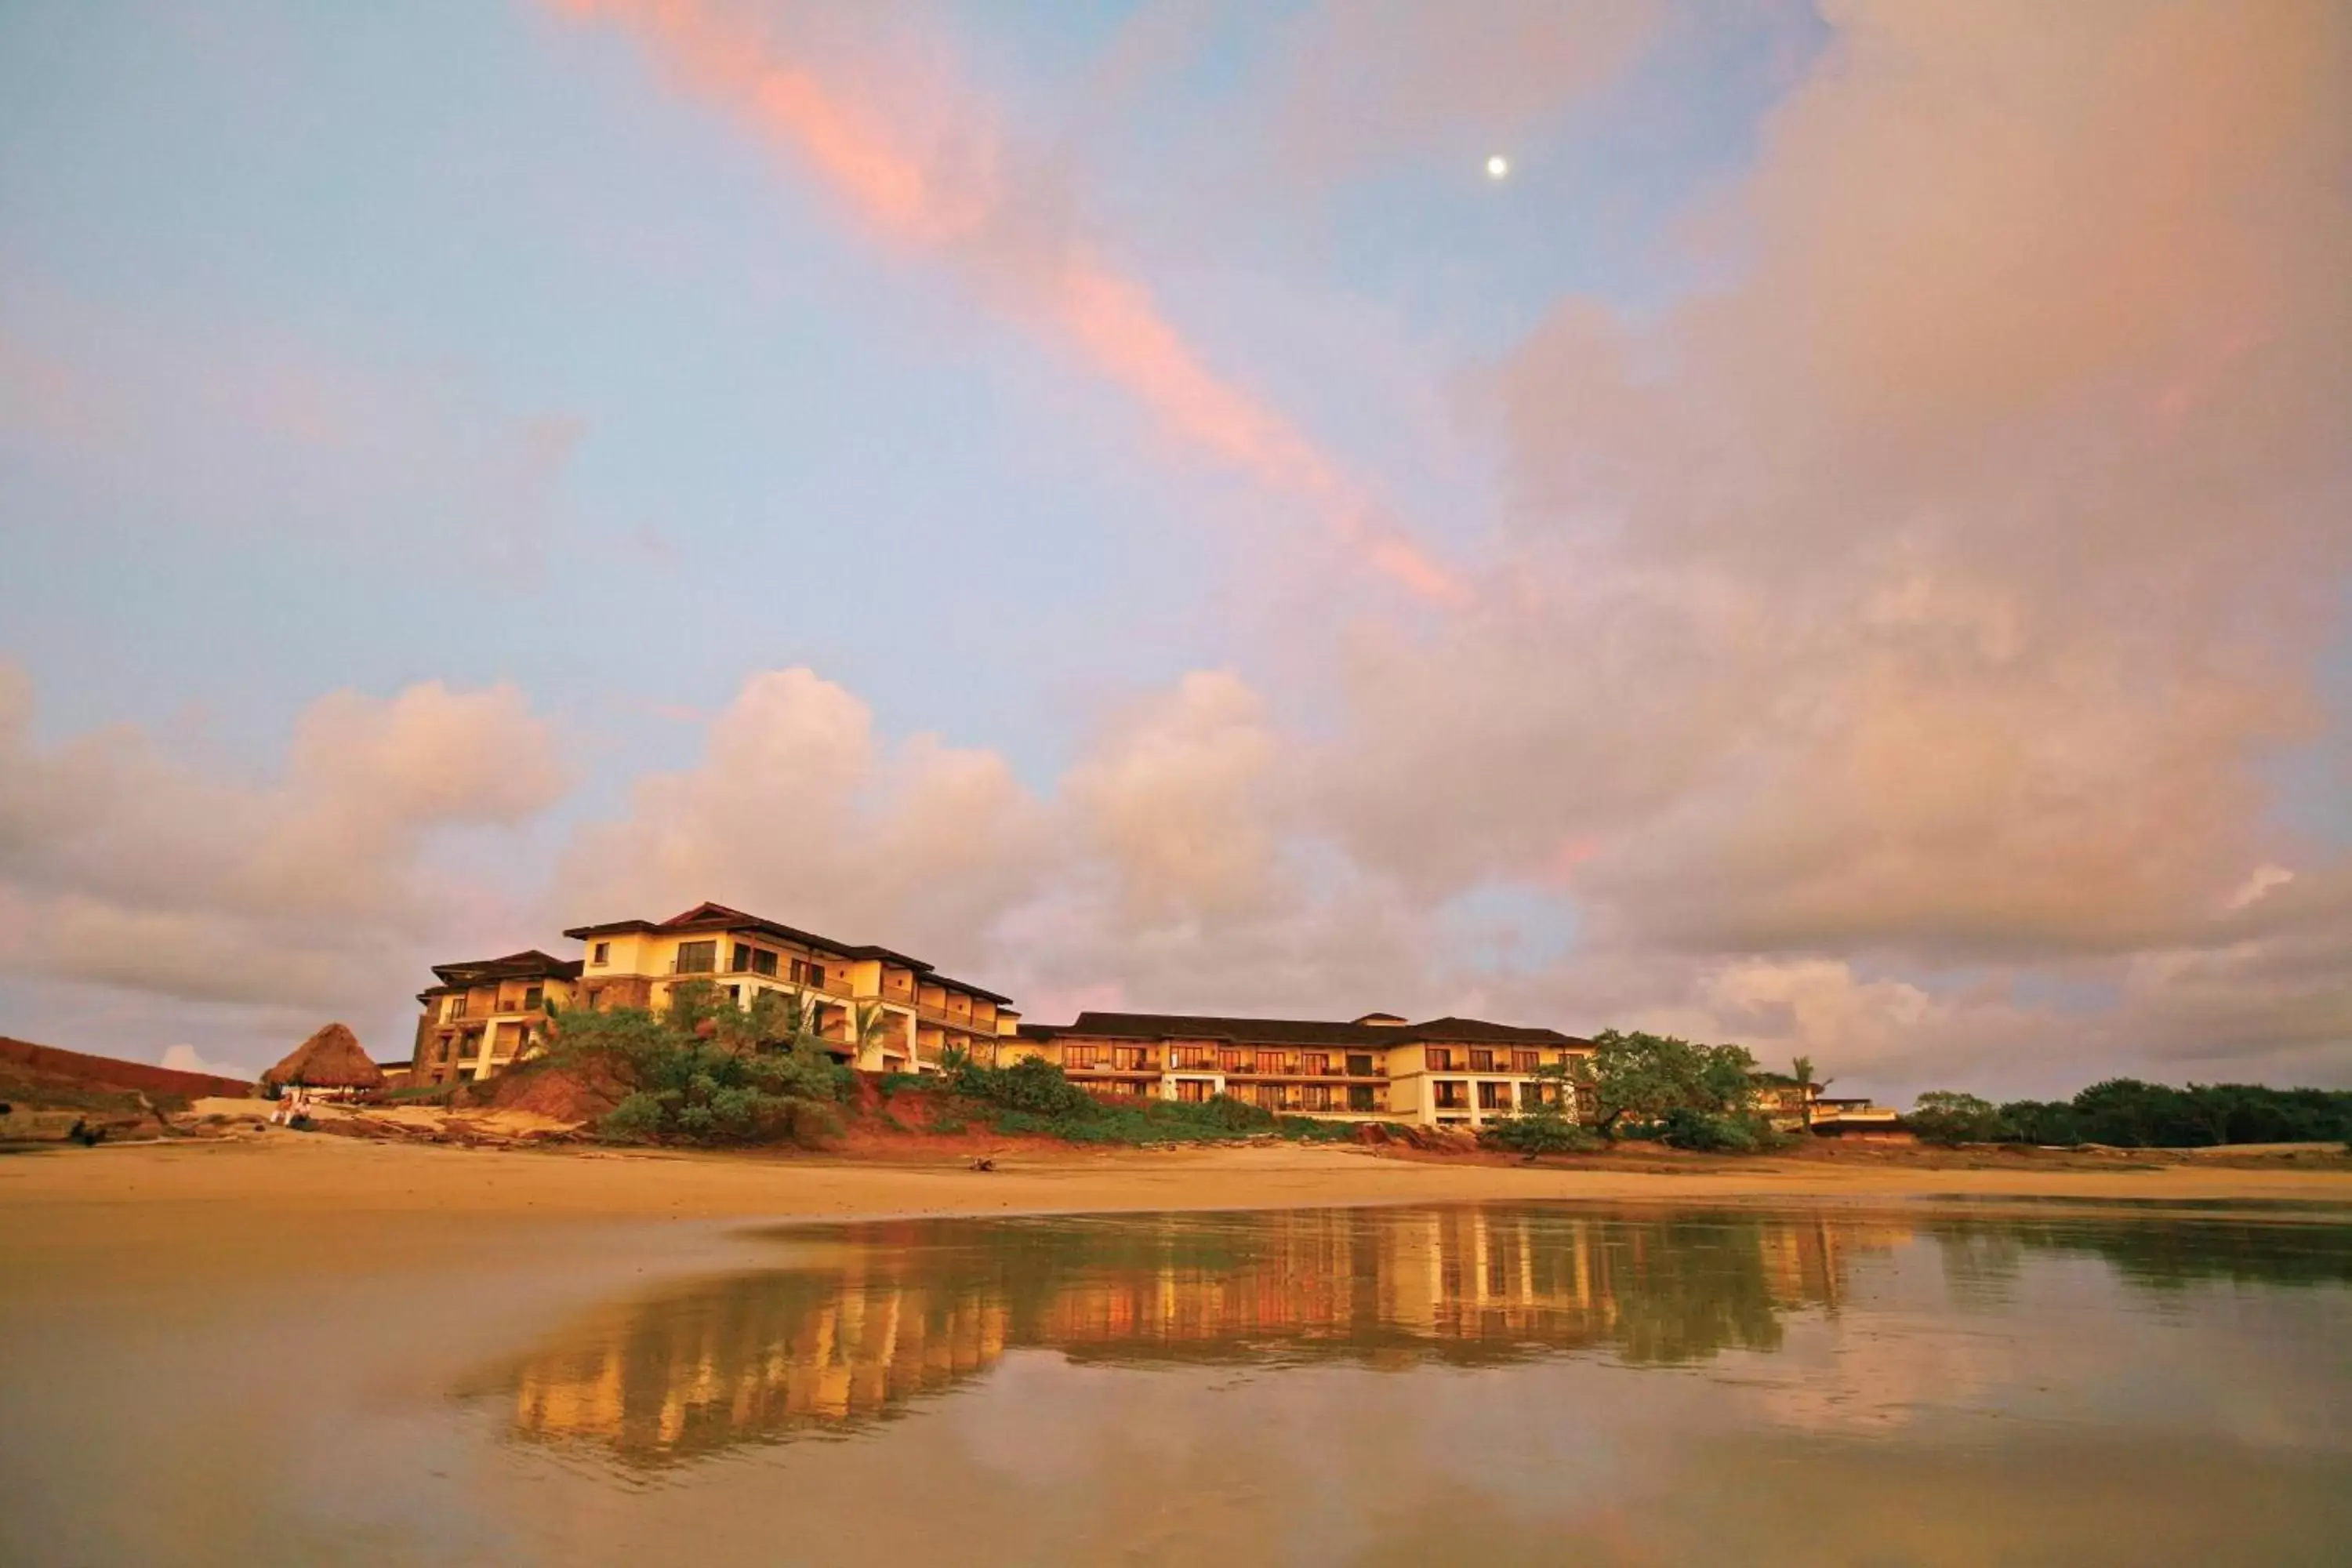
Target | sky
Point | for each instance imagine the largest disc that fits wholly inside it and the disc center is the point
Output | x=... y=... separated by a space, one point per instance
x=1845 y=547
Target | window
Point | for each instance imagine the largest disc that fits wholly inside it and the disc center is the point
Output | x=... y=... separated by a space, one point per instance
x=1360 y=1096
x=1437 y=1058
x=741 y=958
x=807 y=974
x=1269 y=1062
x=1189 y=1056
x=696 y=957
x=1080 y=1056
x=1359 y=1066
x=1453 y=1096
x=1318 y=1064
x=533 y=996
x=1192 y=1090
x=456 y=1006
x=1493 y=1097
x=1315 y=1097
x=1482 y=1061
x=762 y=961
x=1524 y=1061
x=1130 y=1058
x=1231 y=1061
x=601 y=953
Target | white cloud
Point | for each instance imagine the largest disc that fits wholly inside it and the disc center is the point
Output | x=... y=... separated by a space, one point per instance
x=122 y=867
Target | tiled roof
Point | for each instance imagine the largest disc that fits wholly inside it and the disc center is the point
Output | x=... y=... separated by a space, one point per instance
x=528 y=965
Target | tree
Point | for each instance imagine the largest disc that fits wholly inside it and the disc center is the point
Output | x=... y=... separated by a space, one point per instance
x=867 y=1022
x=1642 y=1077
x=1801 y=1071
x=2137 y=1115
x=2049 y=1121
x=1947 y=1116
x=1547 y=1127
x=703 y=1071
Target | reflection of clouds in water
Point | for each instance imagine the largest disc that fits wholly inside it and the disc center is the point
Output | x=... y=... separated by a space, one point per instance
x=1870 y=1372
x=1321 y=1439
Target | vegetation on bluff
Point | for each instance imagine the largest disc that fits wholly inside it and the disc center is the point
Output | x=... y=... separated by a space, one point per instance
x=1035 y=1097
x=704 y=1070
x=2127 y=1113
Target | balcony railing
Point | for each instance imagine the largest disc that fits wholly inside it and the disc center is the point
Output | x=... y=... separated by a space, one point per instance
x=1330 y=1074
x=955 y=1020
x=830 y=987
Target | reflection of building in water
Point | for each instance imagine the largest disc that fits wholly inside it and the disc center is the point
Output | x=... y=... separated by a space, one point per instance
x=909 y=1309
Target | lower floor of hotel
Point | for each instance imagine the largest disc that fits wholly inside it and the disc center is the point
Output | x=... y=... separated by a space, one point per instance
x=1463 y=1100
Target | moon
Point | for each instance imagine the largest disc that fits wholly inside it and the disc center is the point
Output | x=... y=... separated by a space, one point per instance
x=1498 y=167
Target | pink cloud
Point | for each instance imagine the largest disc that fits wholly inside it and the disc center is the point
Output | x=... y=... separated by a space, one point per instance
x=963 y=210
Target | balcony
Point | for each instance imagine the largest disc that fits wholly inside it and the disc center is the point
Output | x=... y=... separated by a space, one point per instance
x=831 y=987
x=955 y=1020
x=1322 y=1075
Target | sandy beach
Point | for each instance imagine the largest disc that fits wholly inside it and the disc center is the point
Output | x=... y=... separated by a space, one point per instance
x=299 y=1347
x=119 y=1213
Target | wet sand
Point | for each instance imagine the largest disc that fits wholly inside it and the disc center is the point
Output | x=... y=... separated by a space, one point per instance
x=291 y=1202
x=262 y=1342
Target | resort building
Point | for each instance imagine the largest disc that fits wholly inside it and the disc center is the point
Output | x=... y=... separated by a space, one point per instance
x=487 y=1012
x=875 y=1008
x=1446 y=1072
x=1794 y=1107
x=881 y=1011
x=1856 y=1117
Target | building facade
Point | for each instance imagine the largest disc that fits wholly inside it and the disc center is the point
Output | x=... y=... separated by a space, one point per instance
x=485 y=1015
x=1446 y=1072
x=882 y=1011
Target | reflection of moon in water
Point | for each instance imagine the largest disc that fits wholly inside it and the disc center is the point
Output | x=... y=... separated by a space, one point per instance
x=1498 y=166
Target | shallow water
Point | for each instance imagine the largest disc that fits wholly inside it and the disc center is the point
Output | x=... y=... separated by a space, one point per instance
x=1514 y=1383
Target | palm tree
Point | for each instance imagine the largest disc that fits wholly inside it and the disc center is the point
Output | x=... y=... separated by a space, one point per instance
x=1801 y=1069
x=867 y=1021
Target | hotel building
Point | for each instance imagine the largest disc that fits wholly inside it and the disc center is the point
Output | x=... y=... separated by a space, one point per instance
x=1447 y=1071
x=488 y=1013
x=485 y=1015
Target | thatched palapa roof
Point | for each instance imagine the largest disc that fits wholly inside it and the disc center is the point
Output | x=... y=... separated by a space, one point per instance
x=331 y=1059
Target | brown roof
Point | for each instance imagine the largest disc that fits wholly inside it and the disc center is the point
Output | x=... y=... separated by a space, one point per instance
x=1291 y=1031
x=331 y=1059
x=710 y=916
x=531 y=964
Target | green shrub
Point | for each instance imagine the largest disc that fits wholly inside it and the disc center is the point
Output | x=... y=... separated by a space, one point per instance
x=1539 y=1133
x=1946 y=1116
x=1032 y=1086
x=683 y=1085
x=637 y=1119
x=1709 y=1133
x=1314 y=1130
x=1222 y=1111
